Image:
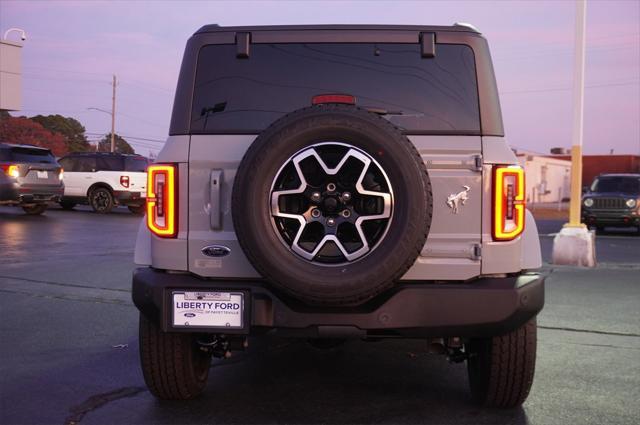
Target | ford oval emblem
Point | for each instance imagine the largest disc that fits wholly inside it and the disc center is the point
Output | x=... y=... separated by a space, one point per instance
x=216 y=251
x=190 y=315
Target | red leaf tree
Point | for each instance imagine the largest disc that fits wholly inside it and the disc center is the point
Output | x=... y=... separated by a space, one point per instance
x=22 y=130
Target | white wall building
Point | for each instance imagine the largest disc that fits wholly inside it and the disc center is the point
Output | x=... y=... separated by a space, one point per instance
x=546 y=179
x=10 y=75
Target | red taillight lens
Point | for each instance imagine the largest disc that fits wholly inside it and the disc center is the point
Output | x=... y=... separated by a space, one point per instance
x=124 y=181
x=11 y=170
x=162 y=200
x=333 y=98
x=508 y=202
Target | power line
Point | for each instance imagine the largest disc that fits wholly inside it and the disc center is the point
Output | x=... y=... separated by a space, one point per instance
x=127 y=136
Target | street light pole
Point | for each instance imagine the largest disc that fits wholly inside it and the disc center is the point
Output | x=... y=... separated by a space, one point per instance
x=578 y=117
x=113 y=116
x=575 y=245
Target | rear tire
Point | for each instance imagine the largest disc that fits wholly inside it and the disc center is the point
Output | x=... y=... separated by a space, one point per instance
x=67 y=205
x=173 y=366
x=137 y=209
x=501 y=368
x=101 y=200
x=37 y=209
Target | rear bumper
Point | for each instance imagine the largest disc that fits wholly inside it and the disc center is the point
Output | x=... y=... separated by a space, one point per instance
x=129 y=198
x=484 y=307
x=33 y=194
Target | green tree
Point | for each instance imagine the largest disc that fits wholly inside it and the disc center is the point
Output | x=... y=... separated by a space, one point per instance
x=122 y=146
x=70 y=128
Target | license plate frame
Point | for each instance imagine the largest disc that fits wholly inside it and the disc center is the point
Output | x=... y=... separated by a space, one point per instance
x=209 y=314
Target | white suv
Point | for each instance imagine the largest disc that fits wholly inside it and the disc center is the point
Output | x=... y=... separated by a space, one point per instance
x=104 y=180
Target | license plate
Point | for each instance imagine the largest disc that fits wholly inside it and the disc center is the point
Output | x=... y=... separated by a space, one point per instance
x=43 y=175
x=208 y=309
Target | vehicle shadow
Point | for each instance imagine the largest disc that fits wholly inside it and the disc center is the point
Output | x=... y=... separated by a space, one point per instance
x=292 y=382
x=274 y=381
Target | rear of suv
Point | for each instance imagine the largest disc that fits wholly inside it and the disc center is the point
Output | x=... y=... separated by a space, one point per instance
x=336 y=182
x=104 y=181
x=33 y=177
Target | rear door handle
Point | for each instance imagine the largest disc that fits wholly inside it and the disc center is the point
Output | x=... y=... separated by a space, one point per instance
x=215 y=181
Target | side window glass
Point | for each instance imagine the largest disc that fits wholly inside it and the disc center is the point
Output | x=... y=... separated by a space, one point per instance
x=86 y=164
x=106 y=163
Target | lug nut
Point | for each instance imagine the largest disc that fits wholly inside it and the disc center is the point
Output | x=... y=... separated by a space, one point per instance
x=331 y=187
x=316 y=196
x=331 y=222
x=346 y=196
x=315 y=213
x=346 y=213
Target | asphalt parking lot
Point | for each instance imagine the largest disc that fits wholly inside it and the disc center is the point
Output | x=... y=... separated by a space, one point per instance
x=69 y=346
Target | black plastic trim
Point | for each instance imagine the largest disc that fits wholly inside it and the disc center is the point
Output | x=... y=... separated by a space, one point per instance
x=243 y=40
x=482 y=307
x=428 y=44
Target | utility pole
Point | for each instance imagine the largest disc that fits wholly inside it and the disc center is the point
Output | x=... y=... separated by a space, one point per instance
x=113 y=116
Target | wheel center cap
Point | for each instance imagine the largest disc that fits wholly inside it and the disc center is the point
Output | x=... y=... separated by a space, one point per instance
x=330 y=204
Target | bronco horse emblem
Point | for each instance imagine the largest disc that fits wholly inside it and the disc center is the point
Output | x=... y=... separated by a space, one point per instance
x=454 y=201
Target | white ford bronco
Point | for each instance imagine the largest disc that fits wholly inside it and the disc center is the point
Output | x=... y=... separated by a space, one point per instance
x=335 y=182
x=104 y=180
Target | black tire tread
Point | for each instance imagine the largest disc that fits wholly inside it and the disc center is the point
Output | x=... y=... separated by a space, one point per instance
x=67 y=205
x=167 y=364
x=111 y=201
x=35 y=209
x=510 y=368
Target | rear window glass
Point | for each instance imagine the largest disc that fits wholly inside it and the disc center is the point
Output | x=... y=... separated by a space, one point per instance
x=421 y=95
x=135 y=164
x=616 y=184
x=31 y=155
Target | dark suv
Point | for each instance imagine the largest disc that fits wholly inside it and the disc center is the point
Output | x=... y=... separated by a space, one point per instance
x=612 y=200
x=33 y=177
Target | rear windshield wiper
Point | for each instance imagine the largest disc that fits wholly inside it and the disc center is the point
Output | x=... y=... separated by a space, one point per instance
x=381 y=111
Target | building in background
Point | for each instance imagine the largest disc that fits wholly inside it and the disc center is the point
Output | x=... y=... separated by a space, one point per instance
x=594 y=165
x=547 y=178
x=10 y=75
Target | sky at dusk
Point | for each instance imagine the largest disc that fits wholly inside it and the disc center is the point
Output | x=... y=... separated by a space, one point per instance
x=73 y=48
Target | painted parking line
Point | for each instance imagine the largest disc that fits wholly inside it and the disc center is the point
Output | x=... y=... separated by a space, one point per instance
x=628 y=236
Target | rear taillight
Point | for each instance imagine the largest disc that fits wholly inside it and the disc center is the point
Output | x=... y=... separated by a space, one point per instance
x=124 y=181
x=11 y=170
x=61 y=174
x=508 y=202
x=162 y=208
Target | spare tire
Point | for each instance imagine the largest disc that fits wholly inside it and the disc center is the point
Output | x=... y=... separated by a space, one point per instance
x=332 y=204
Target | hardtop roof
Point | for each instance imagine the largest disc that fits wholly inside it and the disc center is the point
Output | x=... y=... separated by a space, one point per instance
x=422 y=28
